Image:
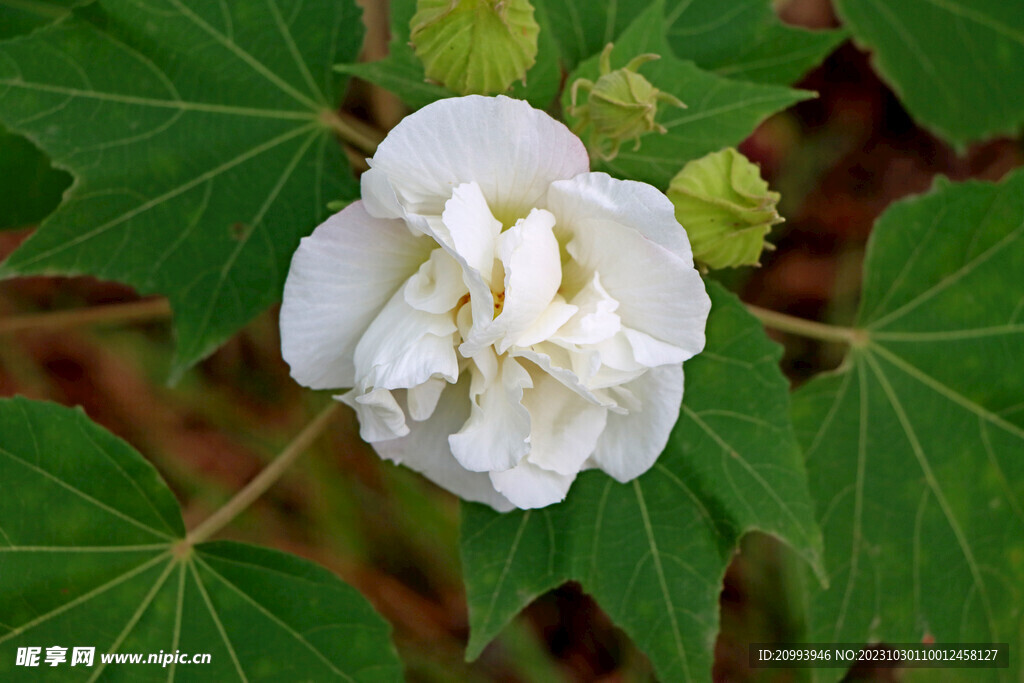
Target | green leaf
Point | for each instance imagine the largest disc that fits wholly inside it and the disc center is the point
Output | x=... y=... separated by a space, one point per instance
x=914 y=447
x=30 y=188
x=720 y=112
x=653 y=552
x=402 y=73
x=741 y=39
x=956 y=64
x=89 y=557
x=200 y=142
x=744 y=39
x=21 y=16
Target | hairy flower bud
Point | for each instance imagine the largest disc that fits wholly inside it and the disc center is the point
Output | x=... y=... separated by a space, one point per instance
x=475 y=46
x=726 y=208
x=620 y=106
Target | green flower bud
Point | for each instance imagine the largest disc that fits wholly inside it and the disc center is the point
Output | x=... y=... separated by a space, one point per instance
x=620 y=106
x=726 y=208
x=475 y=46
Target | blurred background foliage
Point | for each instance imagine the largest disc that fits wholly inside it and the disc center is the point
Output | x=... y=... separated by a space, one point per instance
x=837 y=160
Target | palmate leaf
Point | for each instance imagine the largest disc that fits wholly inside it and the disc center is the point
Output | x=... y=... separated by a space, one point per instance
x=199 y=136
x=21 y=16
x=914 y=449
x=957 y=65
x=741 y=39
x=653 y=552
x=89 y=557
x=29 y=187
x=745 y=40
x=720 y=112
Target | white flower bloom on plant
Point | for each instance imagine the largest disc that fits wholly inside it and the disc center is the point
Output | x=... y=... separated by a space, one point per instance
x=505 y=317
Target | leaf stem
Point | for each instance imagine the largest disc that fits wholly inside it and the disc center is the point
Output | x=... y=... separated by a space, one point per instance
x=261 y=482
x=808 y=328
x=136 y=310
x=362 y=136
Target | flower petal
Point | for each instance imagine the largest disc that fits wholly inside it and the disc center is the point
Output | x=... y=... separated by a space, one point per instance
x=550 y=320
x=437 y=286
x=651 y=352
x=472 y=228
x=512 y=150
x=425 y=449
x=556 y=361
x=533 y=273
x=497 y=434
x=598 y=196
x=529 y=486
x=422 y=399
x=659 y=292
x=380 y=416
x=631 y=443
x=595 y=320
x=564 y=428
x=340 y=277
x=404 y=347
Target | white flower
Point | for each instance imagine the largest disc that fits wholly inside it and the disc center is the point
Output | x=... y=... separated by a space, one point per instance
x=506 y=317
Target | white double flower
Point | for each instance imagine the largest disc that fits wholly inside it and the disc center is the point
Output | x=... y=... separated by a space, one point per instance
x=505 y=317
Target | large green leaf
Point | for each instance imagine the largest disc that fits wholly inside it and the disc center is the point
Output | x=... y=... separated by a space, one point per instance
x=402 y=73
x=914 y=448
x=29 y=187
x=21 y=16
x=199 y=137
x=720 y=112
x=744 y=39
x=957 y=65
x=89 y=557
x=741 y=39
x=654 y=551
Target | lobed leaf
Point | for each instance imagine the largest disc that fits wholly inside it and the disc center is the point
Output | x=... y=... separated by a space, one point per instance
x=958 y=66
x=31 y=188
x=199 y=136
x=741 y=39
x=89 y=557
x=653 y=552
x=914 y=446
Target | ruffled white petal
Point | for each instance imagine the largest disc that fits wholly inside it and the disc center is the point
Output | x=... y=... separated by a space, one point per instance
x=533 y=273
x=404 y=347
x=340 y=278
x=529 y=486
x=595 y=319
x=497 y=434
x=514 y=152
x=425 y=449
x=380 y=416
x=598 y=196
x=564 y=428
x=659 y=292
x=472 y=228
x=631 y=443
x=379 y=196
x=437 y=286
x=556 y=361
x=551 y=319
x=423 y=399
